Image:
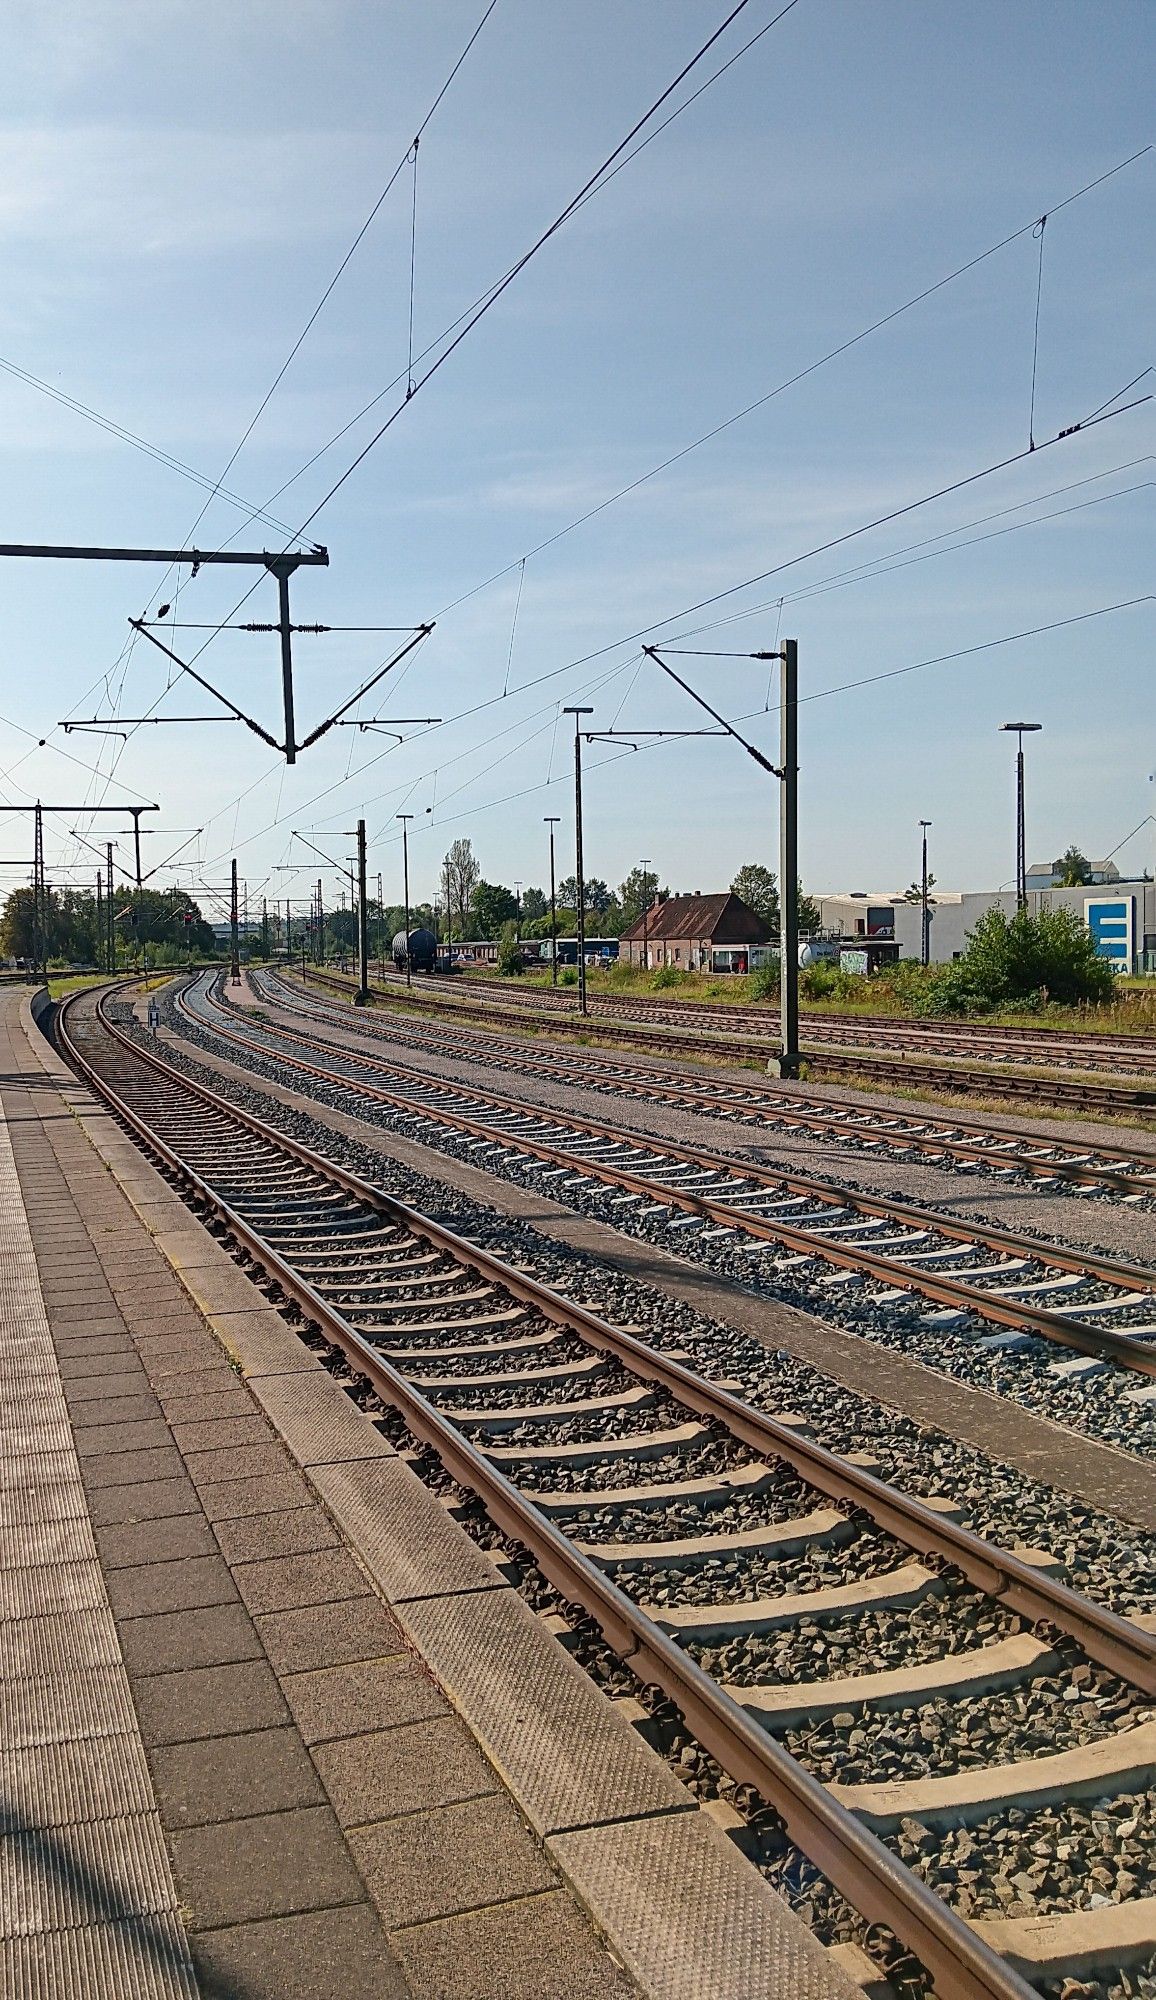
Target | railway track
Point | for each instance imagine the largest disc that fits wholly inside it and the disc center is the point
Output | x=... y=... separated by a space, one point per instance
x=673 y=1513
x=1116 y=1170
x=706 y=1041
x=1063 y=1046
x=1095 y=1306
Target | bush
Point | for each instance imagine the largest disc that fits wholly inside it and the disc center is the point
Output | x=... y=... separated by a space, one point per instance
x=568 y=975
x=764 y=983
x=510 y=961
x=667 y=975
x=1022 y=961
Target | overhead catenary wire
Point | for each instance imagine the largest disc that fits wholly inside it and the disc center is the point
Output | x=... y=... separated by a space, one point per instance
x=586 y=659
x=487 y=300
x=1038 y=231
x=477 y=314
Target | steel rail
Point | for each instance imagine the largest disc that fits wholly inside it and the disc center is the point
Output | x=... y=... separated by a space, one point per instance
x=959 y=1140
x=946 y=1034
x=1038 y=1595
x=854 y=1859
x=1042 y=1086
x=1082 y=1337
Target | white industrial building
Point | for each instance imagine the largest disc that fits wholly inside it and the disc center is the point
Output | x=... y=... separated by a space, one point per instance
x=1121 y=915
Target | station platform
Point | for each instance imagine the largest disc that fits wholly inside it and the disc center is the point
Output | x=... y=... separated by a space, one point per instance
x=271 y=1724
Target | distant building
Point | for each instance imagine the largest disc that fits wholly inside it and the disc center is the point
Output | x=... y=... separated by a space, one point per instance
x=697 y=934
x=1120 y=914
x=1046 y=874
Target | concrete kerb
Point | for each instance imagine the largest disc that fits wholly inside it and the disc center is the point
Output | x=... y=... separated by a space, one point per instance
x=703 y=1875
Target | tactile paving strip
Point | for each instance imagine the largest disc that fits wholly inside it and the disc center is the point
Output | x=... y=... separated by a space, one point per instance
x=402 y=1532
x=687 y=1922
x=569 y=1760
x=87 y=1903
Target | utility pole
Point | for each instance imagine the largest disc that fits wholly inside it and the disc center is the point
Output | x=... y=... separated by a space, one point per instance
x=578 y=713
x=553 y=820
x=1020 y=730
x=925 y=933
x=234 y=951
x=39 y=941
x=99 y=952
x=110 y=942
x=786 y=1064
x=381 y=929
x=264 y=927
x=320 y=925
x=405 y=819
x=288 y=932
x=645 y=914
x=361 y=997
x=789 y=856
x=517 y=909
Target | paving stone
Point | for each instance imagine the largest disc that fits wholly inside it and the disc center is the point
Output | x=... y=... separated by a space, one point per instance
x=131 y=1468
x=236 y=1498
x=544 y=1946
x=225 y=1433
x=248 y=1461
x=366 y=1695
x=293 y=1533
x=322 y=1955
x=99 y=1389
x=123 y=1545
x=403 y=1770
x=233 y=1777
x=100 y=1441
x=209 y=1701
x=186 y=1585
x=458 y=1857
x=328 y=1635
x=174 y=1640
x=283 y=1583
x=265 y=1866
x=152 y=1500
x=229 y=1399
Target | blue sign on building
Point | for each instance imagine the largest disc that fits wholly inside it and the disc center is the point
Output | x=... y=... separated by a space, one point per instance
x=1112 y=922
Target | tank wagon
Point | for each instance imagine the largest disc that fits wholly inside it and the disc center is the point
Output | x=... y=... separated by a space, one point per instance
x=420 y=948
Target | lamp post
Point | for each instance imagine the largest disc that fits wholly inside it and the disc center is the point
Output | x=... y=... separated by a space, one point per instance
x=645 y=914
x=380 y=928
x=552 y=820
x=518 y=909
x=405 y=819
x=578 y=713
x=925 y=933
x=1020 y=730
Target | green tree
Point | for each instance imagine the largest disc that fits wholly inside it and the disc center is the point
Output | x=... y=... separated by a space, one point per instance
x=535 y=903
x=758 y=888
x=1018 y=959
x=810 y=915
x=491 y=906
x=1073 y=868
x=598 y=896
x=638 y=892
x=915 y=893
x=510 y=951
x=460 y=877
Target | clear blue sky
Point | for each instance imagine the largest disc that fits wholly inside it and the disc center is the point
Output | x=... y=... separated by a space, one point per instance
x=179 y=183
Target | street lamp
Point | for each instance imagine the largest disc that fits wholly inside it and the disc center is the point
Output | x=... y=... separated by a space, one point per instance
x=405 y=819
x=578 y=713
x=1020 y=730
x=925 y=934
x=552 y=820
x=645 y=914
